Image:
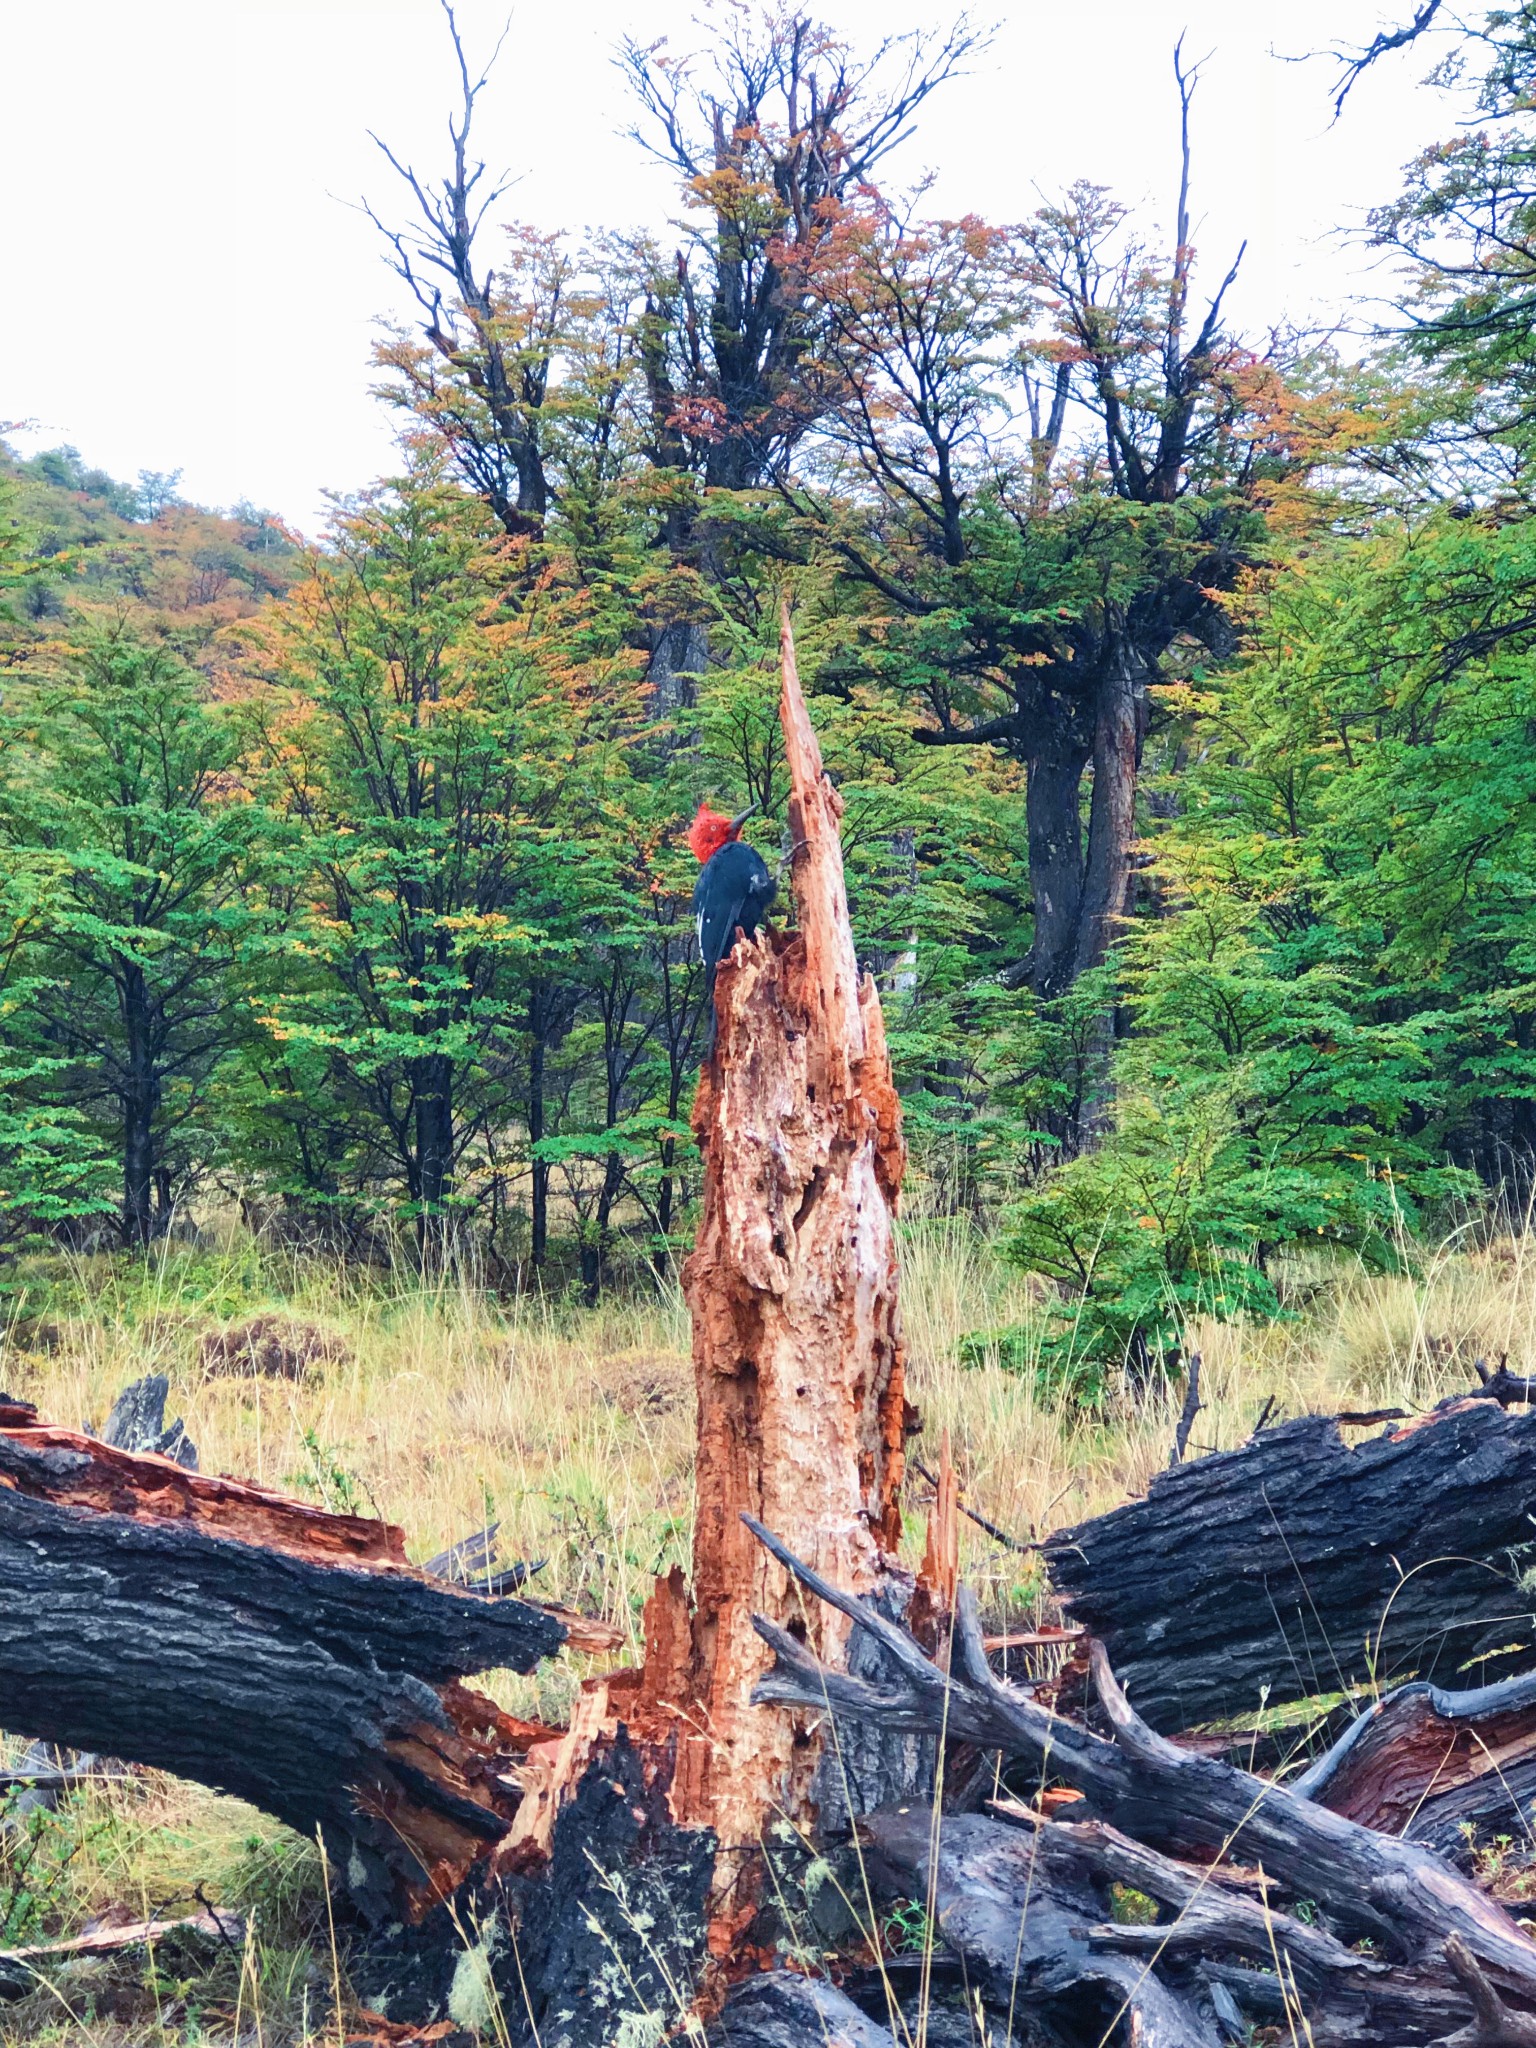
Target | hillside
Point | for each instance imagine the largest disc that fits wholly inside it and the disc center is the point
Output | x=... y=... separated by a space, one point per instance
x=84 y=543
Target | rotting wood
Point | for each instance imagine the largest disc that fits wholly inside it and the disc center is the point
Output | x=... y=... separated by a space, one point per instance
x=261 y=1646
x=1304 y=1564
x=791 y=1286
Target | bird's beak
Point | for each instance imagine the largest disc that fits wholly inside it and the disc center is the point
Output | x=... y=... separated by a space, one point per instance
x=741 y=817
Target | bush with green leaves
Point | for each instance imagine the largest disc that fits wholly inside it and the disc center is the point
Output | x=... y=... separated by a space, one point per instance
x=1256 y=1107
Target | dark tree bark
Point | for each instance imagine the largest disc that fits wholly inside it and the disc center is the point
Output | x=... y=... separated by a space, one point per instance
x=1302 y=1565
x=433 y=1089
x=140 y=1098
x=547 y=1012
x=1108 y=874
x=1173 y=1802
x=260 y=1646
x=1053 y=811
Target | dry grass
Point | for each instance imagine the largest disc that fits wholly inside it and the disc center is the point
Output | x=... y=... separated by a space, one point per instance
x=440 y=1406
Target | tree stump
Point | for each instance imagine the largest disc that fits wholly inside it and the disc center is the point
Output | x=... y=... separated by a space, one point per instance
x=797 y=1349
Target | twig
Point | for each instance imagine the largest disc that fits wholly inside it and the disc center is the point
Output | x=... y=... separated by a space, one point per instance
x=1264 y=1414
x=998 y=1535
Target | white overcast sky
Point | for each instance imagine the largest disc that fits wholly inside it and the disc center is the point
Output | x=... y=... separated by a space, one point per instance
x=187 y=286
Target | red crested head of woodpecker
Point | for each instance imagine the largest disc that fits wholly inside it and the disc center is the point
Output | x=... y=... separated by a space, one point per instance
x=711 y=830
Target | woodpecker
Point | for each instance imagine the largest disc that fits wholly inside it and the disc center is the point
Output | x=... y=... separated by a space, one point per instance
x=732 y=894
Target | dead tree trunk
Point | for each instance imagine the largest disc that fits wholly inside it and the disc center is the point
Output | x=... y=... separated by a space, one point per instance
x=260 y=1646
x=1303 y=1564
x=796 y=1337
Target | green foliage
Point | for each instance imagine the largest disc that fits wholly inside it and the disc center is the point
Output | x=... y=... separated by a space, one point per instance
x=126 y=844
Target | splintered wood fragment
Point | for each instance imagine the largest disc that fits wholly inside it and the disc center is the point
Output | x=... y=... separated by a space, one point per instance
x=260 y=1646
x=227 y=1928
x=941 y=1551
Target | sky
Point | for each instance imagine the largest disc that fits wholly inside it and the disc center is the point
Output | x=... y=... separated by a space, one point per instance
x=188 y=282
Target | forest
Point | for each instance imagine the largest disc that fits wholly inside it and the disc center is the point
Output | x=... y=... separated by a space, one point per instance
x=1177 y=687
x=1175 y=679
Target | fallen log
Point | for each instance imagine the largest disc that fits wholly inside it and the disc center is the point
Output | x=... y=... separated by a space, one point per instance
x=261 y=1646
x=1304 y=1565
x=1394 y=1893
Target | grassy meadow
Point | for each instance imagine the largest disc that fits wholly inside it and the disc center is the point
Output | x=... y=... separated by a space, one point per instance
x=440 y=1406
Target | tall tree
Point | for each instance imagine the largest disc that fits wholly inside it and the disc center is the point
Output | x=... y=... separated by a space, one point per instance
x=427 y=758
x=771 y=128
x=479 y=369
x=125 y=788
x=1031 y=590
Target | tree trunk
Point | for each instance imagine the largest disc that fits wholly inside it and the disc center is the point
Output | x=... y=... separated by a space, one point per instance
x=594 y=1247
x=538 y=1026
x=140 y=1099
x=434 y=1141
x=1109 y=874
x=797 y=1346
x=1052 y=810
x=679 y=657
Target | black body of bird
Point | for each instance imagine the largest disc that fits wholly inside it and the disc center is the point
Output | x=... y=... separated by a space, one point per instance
x=730 y=898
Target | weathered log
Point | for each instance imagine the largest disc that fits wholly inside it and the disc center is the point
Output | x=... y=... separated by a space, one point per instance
x=782 y=2010
x=260 y=1646
x=1177 y=1973
x=1303 y=1564
x=1393 y=1891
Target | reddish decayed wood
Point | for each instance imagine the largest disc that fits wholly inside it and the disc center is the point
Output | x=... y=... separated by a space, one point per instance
x=797 y=1344
x=149 y=1488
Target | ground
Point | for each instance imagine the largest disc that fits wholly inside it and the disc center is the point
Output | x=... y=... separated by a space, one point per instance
x=441 y=1407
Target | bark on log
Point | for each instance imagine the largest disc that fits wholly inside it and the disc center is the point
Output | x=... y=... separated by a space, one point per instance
x=260 y=1646
x=1429 y=1763
x=779 y=2010
x=797 y=1345
x=1302 y=1565
x=1172 y=1800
